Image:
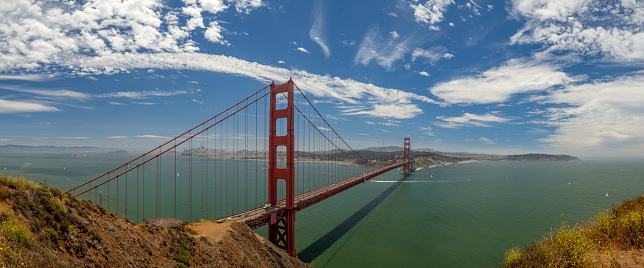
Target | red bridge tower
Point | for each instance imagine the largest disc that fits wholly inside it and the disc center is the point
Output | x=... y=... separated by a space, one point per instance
x=281 y=231
x=410 y=166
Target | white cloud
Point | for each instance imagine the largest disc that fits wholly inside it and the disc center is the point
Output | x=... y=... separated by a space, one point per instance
x=140 y=94
x=427 y=131
x=394 y=34
x=301 y=49
x=10 y=107
x=398 y=111
x=348 y=42
x=213 y=6
x=245 y=6
x=470 y=120
x=213 y=33
x=106 y=37
x=389 y=123
x=431 y=12
x=547 y=10
x=317 y=29
x=423 y=73
x=598 y=116
x=346 y=90
x=594 y=28
x=471 y=5
x=34 y=34
x=432 y=55
x=25 y=77
x=384 y=52
x=51 y=93
x=281 y=62
x=73 y=138
x=152 y=137
x=500 y=83
x=486 y=140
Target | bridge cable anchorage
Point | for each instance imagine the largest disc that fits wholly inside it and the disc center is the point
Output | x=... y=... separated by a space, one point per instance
x=298 y=160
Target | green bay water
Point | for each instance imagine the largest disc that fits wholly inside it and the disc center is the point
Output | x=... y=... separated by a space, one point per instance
x=461 y=215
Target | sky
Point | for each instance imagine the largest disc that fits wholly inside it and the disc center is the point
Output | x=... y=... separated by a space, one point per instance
x=504 y=77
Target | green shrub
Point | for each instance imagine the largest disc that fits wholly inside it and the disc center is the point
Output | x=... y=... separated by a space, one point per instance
x=56 y=192
x=4 y=193
x=52 y=234
x=11 y=225
x=512 y=255
x=183 y=258
x=56 y=203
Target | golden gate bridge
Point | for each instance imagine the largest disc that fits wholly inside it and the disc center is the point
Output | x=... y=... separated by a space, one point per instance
x=260 y=161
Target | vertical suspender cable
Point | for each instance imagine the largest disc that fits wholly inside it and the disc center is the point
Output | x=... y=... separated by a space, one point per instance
x=175 y=179
x=190 y=152
x=246 y=159
x=143 y=190
x=256 y=153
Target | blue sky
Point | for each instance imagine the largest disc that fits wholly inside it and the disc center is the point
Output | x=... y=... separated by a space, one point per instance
x=516 y=76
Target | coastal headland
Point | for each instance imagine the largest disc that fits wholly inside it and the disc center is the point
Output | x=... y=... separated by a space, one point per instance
x=40 y=227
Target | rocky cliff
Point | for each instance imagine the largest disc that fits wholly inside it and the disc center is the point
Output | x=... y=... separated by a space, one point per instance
x=43 y=228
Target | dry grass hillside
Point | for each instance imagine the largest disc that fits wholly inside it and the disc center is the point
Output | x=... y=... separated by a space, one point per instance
x=611 y=239
x=41 y=227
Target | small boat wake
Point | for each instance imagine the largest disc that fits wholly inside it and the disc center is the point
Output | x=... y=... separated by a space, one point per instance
x=437 y=181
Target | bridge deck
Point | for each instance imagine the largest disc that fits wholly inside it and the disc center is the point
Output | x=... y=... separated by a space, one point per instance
x=258 y=217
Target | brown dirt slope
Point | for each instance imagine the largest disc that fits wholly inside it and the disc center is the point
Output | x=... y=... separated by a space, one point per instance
x=43 y=228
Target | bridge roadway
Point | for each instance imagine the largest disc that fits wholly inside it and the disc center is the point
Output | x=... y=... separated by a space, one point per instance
x=258 y=217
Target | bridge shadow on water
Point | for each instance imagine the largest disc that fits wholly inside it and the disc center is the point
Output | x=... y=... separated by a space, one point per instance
x=314 y=250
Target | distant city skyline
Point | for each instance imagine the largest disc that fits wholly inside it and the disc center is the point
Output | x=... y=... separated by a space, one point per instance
x=499 y=77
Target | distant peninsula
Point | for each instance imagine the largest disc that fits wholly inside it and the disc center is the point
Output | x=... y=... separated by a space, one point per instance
x=541 y=157
x=47 y=149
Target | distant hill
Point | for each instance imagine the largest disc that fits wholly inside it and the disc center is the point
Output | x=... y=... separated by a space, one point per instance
x=29 y=147
x=119 y=152
x=541 y=157
x=383 y=149
x=49 y=148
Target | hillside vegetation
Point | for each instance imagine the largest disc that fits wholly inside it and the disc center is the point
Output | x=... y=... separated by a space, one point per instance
x=40 y=227
x=613 y=238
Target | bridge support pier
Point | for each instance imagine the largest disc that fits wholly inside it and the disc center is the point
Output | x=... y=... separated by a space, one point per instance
x=281 y=230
